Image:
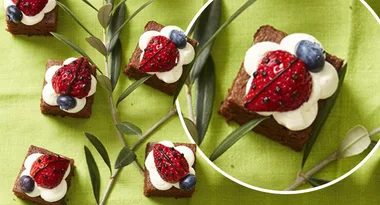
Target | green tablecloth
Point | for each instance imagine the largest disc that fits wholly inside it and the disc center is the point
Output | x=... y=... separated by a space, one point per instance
x=21 y=124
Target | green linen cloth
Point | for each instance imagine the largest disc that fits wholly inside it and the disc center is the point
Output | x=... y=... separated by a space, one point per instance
x=21 y=124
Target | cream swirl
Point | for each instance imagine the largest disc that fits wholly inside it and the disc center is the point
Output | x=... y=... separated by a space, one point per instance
x=186 y=55
x=32 y=20
x=155 y=177
x=324 y=82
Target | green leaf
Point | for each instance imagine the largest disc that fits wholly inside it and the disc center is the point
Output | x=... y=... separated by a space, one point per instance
x=131 y=88
x=130 y=18
x=67 y=10
x=204 y=98
x=74 y=47
x=357 y=140
x=192 y=128
x=97 y=44
x=89 y=4
x=208 y=24
x=125 y=157
x=322 y=116
x=186 y=72
x=105 y=82
x=94 y=173
x=235 y=136
x=104 y=16
x=118 y=5
x=100 y=148
x=315 y=182
x=115 y=61
x=129 y=129
x=117 y=20
x=373 y=144
x=111 y=1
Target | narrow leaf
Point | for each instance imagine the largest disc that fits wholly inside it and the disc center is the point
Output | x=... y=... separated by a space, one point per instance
x=190 y=28
x=100 y=148
x=373 y=144
x=191 y=127
x=118 y=5
x=208 y=24
x=117 y=20
x=315 y=182
x=357 y=140
x=94 y=173
x=74 y=47
x=125 y=157
x=89 y=4
x=67 y=10
x=204 y=98
x=105 y=82
x=131 y=17
x=111 y=2
x=115 y=64
x=235 y=136
x=322 y=117
x=186 y=72
x=104 y=15
x=97 y=44
x=131 y=88
x=129 y=129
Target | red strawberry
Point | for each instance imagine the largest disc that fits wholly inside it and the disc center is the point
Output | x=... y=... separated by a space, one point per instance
x=30 y=7
x=160 y=55
x=171 y=164
x=49 y=170
x=281 y=83
x=73 y=79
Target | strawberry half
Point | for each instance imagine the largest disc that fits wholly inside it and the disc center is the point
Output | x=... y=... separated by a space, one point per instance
x=160 y=55
x=49 y=170
x=30 y=7
x=281 y=83
x=171 y=164
x=73 y=79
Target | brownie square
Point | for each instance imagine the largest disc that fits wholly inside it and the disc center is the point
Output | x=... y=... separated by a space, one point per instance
x=132 y=70
x=43 y=28
x=232 y=108
x=17 y=187
x=150 y=190
x=55 y=110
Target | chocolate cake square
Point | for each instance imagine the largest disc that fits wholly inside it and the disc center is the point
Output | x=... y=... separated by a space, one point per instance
x=55 y=110
x=17 y=187
x=132 y=70
x=43 y=28
x=232 y=108
x=150 y=190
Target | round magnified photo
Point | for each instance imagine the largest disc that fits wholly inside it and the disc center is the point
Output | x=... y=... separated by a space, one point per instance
x=284 y=100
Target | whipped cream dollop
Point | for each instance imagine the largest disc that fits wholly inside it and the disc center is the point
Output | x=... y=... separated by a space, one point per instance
x=155 y=177
x=186 y=55
x=49 y=195
x=50 y=96
x=324 y=82
x=32 y=20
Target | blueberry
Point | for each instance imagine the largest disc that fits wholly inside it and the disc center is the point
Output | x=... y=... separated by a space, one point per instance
x=311 y=54
x=14 y=14
x=179 y=38
x=188 y=182
x=27 y=184
x=66 y=102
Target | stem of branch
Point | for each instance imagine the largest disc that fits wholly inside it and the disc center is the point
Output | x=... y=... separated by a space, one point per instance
x=171 y=113
x=301 y=178
x=189 y=103
x=109 y=186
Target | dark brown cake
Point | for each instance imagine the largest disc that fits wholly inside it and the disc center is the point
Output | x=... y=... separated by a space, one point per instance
x=17 y=187
x=43 y=28
x=150 y=190
x=233 y=106
x=132 y=69
x=55 y=110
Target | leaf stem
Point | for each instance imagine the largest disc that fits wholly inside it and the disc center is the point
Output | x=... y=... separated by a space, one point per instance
x=301 y=178
x=190 y=102
x=374 y=132
x=171 y=113
x=109 y=186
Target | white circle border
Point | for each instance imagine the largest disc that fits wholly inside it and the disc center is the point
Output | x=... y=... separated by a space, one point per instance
x=200 y=152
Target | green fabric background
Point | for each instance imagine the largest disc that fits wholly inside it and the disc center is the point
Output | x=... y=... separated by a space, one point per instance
x=21 y=124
